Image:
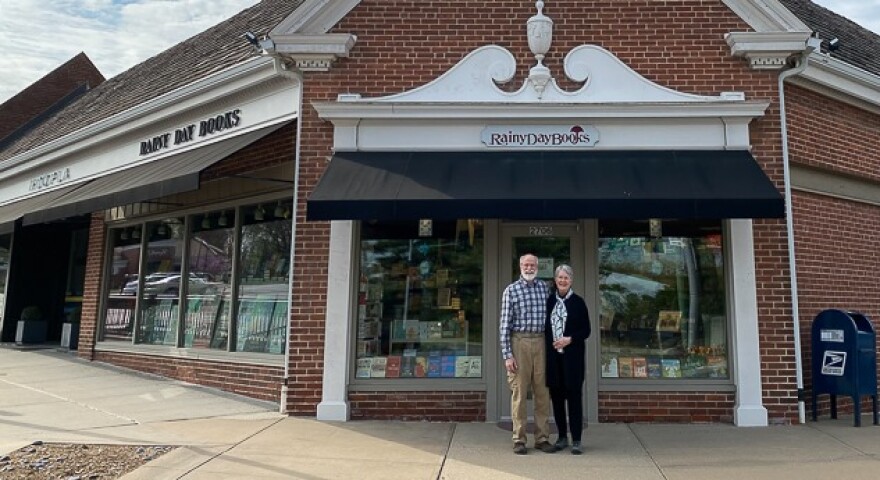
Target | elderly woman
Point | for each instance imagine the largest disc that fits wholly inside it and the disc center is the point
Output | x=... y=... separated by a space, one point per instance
x=566 y=328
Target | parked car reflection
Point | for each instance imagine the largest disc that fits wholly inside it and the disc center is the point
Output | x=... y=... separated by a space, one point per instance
x=168 y=284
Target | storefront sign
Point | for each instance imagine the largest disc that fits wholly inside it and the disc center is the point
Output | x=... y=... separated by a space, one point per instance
x=188 y=133
x=543 y=136
x=49 y=179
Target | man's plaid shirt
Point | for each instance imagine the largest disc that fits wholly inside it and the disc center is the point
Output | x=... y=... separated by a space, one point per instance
x=522 y=310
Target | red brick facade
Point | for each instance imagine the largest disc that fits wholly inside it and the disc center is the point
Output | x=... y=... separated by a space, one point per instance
x=835 y=243
x=256 y=381
x=405 y=44
x=419 y=406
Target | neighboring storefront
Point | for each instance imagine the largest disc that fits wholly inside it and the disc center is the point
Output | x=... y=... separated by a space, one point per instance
x=180 y=182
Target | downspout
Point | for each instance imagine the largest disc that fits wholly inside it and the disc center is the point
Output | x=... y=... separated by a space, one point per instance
x=800 y=65
x=282 y=70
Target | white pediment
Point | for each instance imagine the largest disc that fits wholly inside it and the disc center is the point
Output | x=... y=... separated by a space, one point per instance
x=604 y=78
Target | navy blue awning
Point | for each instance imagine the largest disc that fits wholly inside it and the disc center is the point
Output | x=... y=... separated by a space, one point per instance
x=544 y=185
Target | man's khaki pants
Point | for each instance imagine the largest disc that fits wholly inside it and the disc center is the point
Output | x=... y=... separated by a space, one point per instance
x=528 y=350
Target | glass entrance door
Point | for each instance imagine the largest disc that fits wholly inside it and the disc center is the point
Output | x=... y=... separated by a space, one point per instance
x=553 y=244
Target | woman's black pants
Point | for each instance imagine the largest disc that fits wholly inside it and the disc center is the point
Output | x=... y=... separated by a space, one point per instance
x=560 y=396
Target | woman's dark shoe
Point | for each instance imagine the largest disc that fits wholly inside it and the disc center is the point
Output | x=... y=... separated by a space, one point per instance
x=577 y=448
x=545 y=447
x=519 y=448
x=561 y=443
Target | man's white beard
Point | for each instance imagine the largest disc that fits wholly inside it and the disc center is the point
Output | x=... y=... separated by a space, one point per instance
x=529 y=276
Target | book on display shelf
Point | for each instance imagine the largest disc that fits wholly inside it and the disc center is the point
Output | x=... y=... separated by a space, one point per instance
x=433 y=365
x=655 y=369
x=378 y=367
x=476 y=367
x=640 y=367
x=625 y=367
x=364 y=367
x=609 y=367
x=421 y=369
x=447 y=366
x=411 y=330
x=462 y=365
x=392 y=366
x=407 y=366
x=671 y=367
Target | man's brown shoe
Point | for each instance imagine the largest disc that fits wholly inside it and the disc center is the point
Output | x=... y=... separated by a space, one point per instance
x=519 y=448
x=545 y=447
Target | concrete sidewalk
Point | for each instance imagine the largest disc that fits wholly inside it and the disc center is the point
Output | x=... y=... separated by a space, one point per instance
x=54 y=397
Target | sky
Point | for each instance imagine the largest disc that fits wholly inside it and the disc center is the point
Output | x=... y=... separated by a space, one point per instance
x=36 y=36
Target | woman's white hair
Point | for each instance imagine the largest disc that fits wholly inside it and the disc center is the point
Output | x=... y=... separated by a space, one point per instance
x=564 y=268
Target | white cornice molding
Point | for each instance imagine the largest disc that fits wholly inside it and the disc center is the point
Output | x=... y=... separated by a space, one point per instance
x=314 y=17
x=766 y=15
x=245 y=75
x=861 y=87
x=348 y=112
x=314 y=52
x=767 y=50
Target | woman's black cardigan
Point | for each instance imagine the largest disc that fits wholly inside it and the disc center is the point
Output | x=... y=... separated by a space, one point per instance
x=577 y=326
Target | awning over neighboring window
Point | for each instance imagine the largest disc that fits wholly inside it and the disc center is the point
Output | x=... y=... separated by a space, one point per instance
x=12 y=212
x=174 y=174
x=544 y=185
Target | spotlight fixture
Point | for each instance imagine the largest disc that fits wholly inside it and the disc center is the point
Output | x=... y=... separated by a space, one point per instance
x=833 y=44
x=279 y=210
x=252 y=39
x=206 y=222
x=162 y=230
x=124 y=234
x=222 y=220
x=259 y=213
x=136 y=233
x=263 y=45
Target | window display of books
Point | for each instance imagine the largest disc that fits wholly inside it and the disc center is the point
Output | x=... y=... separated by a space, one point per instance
x=415 y=298
x=434 y=364
x=656 y=367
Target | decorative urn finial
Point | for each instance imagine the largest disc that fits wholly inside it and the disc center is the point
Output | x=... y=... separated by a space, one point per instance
x=540 y=33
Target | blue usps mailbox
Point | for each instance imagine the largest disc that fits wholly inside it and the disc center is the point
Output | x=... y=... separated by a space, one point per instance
x=844 y=359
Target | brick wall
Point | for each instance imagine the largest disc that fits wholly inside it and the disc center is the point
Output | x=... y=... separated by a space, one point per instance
x=666 y=407
x=403 y=44
x=835 y=242
x=92 y=286
x=419 y=406
x=255 y=381
x=273 y=149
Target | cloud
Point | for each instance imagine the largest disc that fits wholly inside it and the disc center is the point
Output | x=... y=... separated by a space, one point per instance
x=36 y=36
x=864 y=12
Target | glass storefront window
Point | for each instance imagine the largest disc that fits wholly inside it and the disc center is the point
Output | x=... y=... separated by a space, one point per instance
x=420 y=300
x=237 y=280
x=209 y=290
x=663 y=311
x=263 y=283
x=122 y=286
x=159 y=305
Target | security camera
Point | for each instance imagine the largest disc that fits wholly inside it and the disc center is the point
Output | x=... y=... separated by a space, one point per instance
x=252 y=39
x=834 y=44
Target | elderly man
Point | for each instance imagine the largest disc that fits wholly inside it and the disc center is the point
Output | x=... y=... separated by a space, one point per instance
x=522 y=346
